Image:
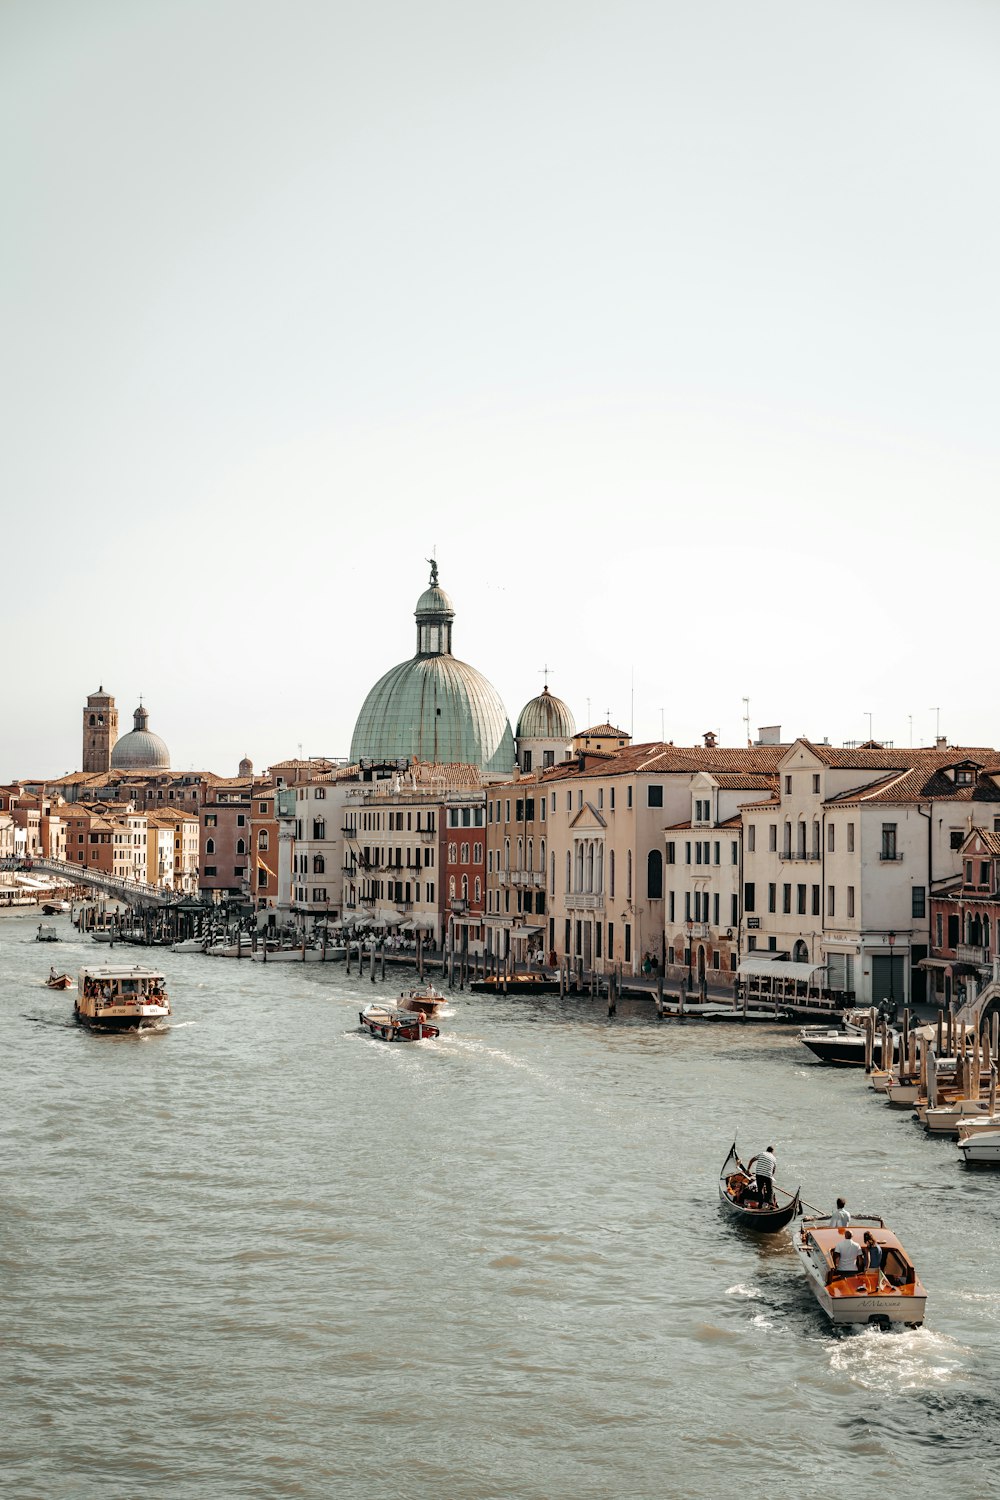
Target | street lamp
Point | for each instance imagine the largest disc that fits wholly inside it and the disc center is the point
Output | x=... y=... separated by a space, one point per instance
x=892 y=995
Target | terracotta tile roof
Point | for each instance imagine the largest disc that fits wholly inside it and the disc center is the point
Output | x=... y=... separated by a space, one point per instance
x=746 y=781
x=602 y=732
x=990 y=839
x=924 y=782
x=872 y=756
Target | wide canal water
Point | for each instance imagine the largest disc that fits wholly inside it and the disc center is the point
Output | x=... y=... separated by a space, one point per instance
x=262 y=1255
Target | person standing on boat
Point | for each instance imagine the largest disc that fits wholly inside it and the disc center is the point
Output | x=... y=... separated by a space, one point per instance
x=840 y=1218
x=765 y=1165
x=873 y=1253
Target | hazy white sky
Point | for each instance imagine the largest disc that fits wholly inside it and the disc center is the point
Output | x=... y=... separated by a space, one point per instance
x=672 y=326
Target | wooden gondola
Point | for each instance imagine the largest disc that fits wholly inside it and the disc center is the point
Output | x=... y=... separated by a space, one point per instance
x=738 y=1195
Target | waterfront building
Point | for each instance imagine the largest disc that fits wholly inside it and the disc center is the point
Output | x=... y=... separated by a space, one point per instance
x=601 y=739
x=840 y=864
x=464 y=870
x=160 y=836
x=545 y=731
x=224 y=855
x=263 y=843
x=704 y=875
x=965 y=918
x=607 y=818
x=516 y=861
x=434 y=708
x=314 y=852
x=7 y=841
x=140 y=749
x=100 y=731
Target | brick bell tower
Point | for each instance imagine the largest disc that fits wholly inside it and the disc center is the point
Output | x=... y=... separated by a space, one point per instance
x=100 y=731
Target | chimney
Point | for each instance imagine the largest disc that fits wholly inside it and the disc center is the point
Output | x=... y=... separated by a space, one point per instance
x=941 y=743
x=770 y=734
x=710 y=739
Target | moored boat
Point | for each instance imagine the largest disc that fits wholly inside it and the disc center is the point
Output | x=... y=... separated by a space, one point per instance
x=739 y=1197
x=392 y=1024
x=120 y=997
x=981 y=1147
x=891 y=1294
x=844 y=1046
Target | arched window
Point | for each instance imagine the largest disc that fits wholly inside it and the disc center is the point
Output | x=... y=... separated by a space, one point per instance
x=319 y=865
x=241 y=846
x=654 y=875
x=465 y=854
x=209 y=846
x=506 y=854
x=599 y=877
x=786 y=844
x=802 y=839
x=590 y=865
x=465 y=887
x=611 y=874
x=569 y=871
x=262 y=840
x=541 y=856
x=520 y=855
x=451 y=887
x=552 y=877
x=478 y=890
x=531 y=856
x=986 y=932
x=815 y=848
x=452 y=854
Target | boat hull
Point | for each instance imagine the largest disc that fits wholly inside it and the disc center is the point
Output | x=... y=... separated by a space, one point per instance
x=893 y=1294
x=842 y=1051
x=381 y=1024
x=122 y=1021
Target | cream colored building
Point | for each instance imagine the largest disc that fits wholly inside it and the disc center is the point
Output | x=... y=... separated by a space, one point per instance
x=839 y=868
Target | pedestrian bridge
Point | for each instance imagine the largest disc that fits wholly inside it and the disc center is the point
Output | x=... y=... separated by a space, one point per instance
x=133 y=891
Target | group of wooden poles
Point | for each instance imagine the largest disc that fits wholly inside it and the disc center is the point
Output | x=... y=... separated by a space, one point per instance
x=973 y=1054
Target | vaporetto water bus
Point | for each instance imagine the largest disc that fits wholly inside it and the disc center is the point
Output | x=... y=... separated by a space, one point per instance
x=121 y=997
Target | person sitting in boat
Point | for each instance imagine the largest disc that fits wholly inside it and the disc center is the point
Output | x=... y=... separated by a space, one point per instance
x=764 y=1166
x=848 y=1255
x=840 y=1218
x=873 y=1253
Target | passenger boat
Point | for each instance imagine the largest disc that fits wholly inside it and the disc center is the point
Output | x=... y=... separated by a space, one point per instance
x=46 y=933
x=422 y=998
x=893 y=1294
x=121 y=997
x=392 y=1024
x=59 y=981
x=53 y=908
x=981 y=1147
x=738 y=1194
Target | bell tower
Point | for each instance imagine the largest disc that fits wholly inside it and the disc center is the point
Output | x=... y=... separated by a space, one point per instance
x=100 y=731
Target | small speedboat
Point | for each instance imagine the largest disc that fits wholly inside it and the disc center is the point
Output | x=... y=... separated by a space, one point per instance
x=423 y=998
x=844 y=1046
x=981 y=1147
x=739 y=1197
x=392 y=1024
x=60 y=981
x=892 y=1294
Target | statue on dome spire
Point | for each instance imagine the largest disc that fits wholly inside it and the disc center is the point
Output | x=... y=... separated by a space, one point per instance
x=434 y=571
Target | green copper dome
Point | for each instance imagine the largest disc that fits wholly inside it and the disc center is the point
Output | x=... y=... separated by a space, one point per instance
x=434 y=707
x=546 y=718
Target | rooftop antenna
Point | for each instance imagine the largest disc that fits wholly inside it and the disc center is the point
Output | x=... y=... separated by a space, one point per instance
x=937 y=725
x=588 y=710
x=631 y=727
x=911 y=731
x=746 y=717
x=868 y=716
x=663 y=732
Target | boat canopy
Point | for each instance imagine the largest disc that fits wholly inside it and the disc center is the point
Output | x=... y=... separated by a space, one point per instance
x=776 y=968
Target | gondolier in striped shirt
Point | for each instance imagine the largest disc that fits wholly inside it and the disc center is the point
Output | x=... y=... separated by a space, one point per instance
x=765 y=1165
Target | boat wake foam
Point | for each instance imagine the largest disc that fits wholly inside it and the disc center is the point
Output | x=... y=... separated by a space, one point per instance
x=907 y=1360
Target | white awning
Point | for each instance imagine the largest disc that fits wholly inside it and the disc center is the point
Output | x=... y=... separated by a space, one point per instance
x=935 y=963
x=776 y=968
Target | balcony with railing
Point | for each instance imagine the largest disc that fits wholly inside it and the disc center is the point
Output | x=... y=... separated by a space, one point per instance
x=585 y=901
x=971 y=953
x=800 y=856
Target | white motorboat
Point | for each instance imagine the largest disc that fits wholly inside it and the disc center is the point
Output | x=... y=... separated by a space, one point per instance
x=945 y=1119
x=298 y=956
x=892 y=1294
x=982 y=1147
x=190 y=945
x=423 y=998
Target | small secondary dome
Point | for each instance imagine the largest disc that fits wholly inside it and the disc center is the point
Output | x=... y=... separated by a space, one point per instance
x=434 y=707
x=546 y=718
x=140 y=749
